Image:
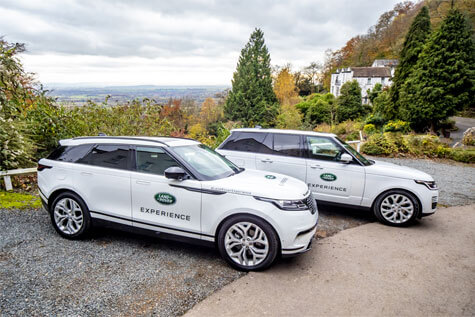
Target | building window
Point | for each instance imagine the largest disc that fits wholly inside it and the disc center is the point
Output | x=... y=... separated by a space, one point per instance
x=382 y=80
x=369 y=81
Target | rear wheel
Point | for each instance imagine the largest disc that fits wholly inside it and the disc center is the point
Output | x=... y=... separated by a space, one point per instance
x=248 y=243
x=396 y=208
x=70 y=216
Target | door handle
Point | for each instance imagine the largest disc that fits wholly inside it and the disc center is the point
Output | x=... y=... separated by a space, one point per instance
x=267 y=160
x=143 y=182
x=86 y=173
x=316 y=167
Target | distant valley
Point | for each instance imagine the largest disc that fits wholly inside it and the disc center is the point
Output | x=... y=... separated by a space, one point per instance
x=79 y=95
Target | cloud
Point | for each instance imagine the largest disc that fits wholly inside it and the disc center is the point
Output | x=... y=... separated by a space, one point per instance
x=67 y=40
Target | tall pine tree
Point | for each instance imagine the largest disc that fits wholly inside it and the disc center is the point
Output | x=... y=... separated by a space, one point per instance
x=443 y=80
x=252 y=99
x=412 y=47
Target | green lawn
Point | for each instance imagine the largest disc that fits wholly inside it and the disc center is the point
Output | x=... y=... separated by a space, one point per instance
x=14 y=200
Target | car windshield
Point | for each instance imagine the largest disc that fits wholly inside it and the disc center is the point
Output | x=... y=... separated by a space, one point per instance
x=206 y=162
x=355 y=153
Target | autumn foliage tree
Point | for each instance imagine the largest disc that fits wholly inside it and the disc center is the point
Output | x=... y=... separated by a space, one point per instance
x=284 y=87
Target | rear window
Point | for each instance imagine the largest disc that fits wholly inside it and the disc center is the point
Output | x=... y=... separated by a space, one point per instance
x=287 y=144
x=249 y=142
x=112 y=156
x=70 y=153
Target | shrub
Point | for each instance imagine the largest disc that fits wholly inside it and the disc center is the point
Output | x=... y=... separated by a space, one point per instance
x=324 y=127
x=379 y=144
x=375 y=119
x=397 y=126
x=369 y=129
x=16 y=149
x=462 y=155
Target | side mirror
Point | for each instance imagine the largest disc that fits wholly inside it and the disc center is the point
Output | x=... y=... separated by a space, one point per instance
x=175 y=172
x=346 y=158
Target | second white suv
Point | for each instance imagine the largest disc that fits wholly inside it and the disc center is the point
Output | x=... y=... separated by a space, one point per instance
x=180 y=188
x=335 y=172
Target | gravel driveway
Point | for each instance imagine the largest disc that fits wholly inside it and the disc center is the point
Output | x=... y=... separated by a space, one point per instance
x=114 y=272
x=111 y=273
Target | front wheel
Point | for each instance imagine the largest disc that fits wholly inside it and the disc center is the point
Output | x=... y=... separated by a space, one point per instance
x=396 y=208
x=248 y=243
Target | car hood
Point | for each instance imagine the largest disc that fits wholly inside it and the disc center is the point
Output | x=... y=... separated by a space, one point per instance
x=260 y=183
x=394 y=170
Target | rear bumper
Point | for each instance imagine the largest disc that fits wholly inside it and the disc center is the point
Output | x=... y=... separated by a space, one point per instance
x=44 y=200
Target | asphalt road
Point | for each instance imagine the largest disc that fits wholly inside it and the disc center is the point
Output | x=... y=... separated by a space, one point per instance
x=373 y=270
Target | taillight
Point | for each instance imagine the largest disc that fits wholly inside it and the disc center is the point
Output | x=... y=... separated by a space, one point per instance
x=42 y=167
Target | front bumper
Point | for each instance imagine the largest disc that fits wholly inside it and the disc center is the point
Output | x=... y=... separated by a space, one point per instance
x=429 y=202
x=302 y=242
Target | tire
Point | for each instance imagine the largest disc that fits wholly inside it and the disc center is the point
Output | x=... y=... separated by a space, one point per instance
x=246 y=236
x=397 y=208
x=70 y=216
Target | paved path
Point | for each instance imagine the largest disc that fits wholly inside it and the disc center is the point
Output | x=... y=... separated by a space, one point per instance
x=427 y=269
x=463 y=124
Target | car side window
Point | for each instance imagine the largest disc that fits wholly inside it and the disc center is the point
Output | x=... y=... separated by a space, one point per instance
x=323 y=148
x=249 y=142
x=105 y=155
x=153 y=160
x=287 y=144
x=70 y=153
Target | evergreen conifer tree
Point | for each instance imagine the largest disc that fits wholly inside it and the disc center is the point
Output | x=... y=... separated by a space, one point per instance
x=412 y=47
x=349 y=102
x=252 y=99
x=443 y=80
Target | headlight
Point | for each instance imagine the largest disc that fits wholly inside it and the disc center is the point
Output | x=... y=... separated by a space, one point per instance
x=429 y=184
x=287 y=204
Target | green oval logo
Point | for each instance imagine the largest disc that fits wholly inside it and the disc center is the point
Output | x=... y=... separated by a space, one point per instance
x=328 y=177
x=165 y=198
x=270 y=176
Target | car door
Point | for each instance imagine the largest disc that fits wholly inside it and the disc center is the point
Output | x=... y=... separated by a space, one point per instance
x=103 y=178
x=329 y=179
x=163 y=204
x=241 y=148
x=285 y=156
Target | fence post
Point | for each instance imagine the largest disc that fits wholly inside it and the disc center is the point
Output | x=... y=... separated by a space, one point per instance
x=8 y=183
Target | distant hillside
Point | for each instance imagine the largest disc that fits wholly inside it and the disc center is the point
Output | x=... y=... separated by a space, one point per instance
x=71 y=95
x=385 y=39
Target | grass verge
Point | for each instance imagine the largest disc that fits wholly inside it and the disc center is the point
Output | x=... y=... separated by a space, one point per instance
x=12 y=200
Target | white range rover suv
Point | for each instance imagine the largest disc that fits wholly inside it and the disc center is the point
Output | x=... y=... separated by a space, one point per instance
x=177 y=188
x=335 y=172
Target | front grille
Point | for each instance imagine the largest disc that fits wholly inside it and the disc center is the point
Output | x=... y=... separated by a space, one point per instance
x=312 y=204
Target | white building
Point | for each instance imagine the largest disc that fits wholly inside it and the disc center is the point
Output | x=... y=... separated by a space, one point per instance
x=380 y=72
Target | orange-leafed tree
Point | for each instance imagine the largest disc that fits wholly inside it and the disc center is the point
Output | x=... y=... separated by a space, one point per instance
x=284 y=87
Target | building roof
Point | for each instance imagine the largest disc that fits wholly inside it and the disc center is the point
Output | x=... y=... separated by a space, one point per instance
x=371 y=71
x=385 y=62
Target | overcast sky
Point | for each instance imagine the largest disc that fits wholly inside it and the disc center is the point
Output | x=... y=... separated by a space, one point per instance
x=174 y=42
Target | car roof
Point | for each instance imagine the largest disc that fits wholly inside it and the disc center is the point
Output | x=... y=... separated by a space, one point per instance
x=300 y=132
x=136 y=140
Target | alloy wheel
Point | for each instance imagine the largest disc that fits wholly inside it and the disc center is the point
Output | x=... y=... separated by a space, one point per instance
x=246 y=243
x=397 y=208
x=68 y=216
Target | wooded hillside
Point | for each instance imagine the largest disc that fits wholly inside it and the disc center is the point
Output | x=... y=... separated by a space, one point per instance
x=385 y=39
